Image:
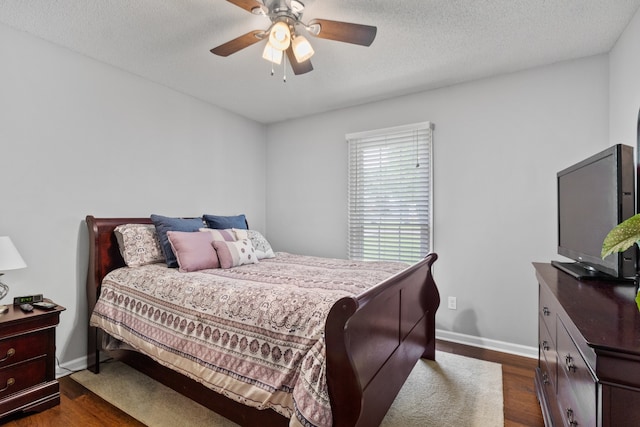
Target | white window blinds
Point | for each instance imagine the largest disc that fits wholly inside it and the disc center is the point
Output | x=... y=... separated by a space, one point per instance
x=390 y=186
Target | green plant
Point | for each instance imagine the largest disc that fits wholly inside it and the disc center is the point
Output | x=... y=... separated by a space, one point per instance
x=621 y=238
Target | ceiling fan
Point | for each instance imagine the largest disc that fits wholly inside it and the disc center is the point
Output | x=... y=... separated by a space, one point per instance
x=284 y=34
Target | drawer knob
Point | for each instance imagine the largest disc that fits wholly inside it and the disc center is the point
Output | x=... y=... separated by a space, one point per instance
x=10 y=353
x=568 y=361
x=545 y=345
x=546 y=311
x=545 y=378
x=10 y=382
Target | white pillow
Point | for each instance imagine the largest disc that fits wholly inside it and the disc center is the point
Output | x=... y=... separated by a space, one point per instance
x=260 y=244
x=233 y=254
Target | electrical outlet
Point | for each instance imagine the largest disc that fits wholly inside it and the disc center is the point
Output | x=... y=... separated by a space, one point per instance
x=452 y=303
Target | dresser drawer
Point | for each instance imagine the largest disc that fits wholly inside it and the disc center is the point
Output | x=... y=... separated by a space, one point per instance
x=548 y=355
x=547 y=375
x=547 y=309
x=581 y=386
x=572 y=411
x=16 y=349
x=21 y=376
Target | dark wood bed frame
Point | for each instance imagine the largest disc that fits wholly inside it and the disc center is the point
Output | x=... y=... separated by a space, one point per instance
x=373 y=340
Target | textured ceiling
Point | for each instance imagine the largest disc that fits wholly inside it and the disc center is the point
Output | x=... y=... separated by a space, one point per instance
x=420 y=44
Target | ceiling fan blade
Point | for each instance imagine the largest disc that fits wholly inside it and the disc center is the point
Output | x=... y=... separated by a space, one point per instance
x=343 y=31
x=239 y=43
x=247 y=5
x=298 y=67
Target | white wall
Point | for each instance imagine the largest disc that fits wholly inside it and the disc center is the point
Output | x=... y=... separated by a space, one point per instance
x=624 y=85
x=79 y=137
x=498 y=145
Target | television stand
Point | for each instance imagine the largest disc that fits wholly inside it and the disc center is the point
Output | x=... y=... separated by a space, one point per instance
x=583 y=272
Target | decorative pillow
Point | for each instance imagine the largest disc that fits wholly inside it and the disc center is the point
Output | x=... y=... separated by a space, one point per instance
x=139 y=244
x=233 y=254
x=260 y=244
x=164 y=224
x=226 y=235
x=240 y=233
x=193 y=250
x=222 y=222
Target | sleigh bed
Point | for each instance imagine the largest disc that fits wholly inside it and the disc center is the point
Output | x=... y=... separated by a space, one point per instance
x=371 y=340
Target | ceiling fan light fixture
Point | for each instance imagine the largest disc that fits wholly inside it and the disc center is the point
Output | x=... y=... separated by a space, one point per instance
x=280 y=36
x=302 y=49
x=272 y=54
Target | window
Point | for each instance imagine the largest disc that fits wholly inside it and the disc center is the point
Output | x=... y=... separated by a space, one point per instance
x=390 y=189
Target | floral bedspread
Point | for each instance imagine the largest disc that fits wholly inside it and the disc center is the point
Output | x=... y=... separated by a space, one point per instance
x=253 y=333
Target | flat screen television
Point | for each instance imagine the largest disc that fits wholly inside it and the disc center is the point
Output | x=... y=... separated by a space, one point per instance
x=594 y=196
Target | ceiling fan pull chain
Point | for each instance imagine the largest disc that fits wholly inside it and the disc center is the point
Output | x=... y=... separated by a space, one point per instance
x=284 y=69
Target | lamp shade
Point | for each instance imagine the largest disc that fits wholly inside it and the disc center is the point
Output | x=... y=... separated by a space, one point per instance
x=302 y=48
x=280 y=36
x=271 y=54
x=10 y=259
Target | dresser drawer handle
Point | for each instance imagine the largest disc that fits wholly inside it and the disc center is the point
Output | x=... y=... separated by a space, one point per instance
x=545 y=378
x=568 y=361
x=10 y=353
x=10 y=382
x=546 y=311
x=545 y=346
x=572 y=421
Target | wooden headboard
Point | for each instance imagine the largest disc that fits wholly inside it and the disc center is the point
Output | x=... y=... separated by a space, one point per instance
x=104 y=256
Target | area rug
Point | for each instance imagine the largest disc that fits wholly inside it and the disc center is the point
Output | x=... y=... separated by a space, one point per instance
x=453 y=390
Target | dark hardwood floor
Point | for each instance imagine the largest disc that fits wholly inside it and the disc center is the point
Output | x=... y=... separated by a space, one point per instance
x=521 y=407
x=80 y=407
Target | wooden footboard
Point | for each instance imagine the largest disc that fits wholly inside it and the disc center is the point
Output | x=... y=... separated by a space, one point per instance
x=373 y=340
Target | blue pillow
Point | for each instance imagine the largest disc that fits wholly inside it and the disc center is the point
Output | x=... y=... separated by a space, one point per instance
x=164 y=224
x=224 y=222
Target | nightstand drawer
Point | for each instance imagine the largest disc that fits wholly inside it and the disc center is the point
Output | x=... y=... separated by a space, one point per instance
x=22 y=376
x=23 y=347
x=28 y=360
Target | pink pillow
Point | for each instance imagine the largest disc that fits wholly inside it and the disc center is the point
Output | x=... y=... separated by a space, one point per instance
x=216 y=234
x=233 y=254
x=193 y=250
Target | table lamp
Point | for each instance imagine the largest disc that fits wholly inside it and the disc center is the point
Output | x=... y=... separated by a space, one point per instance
x=10 y=259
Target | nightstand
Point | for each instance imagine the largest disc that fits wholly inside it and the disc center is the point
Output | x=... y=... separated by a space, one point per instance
x=28 y=360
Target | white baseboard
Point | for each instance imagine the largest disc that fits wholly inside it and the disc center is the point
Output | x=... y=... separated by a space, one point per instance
x=68 y=368
x=504 y=347
x=75 y=365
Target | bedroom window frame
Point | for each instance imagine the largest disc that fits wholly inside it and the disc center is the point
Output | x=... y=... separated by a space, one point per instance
x=397 y=225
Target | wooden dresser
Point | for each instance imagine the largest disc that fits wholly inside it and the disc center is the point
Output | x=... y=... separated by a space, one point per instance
x=28 y=360
x=589 y=351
